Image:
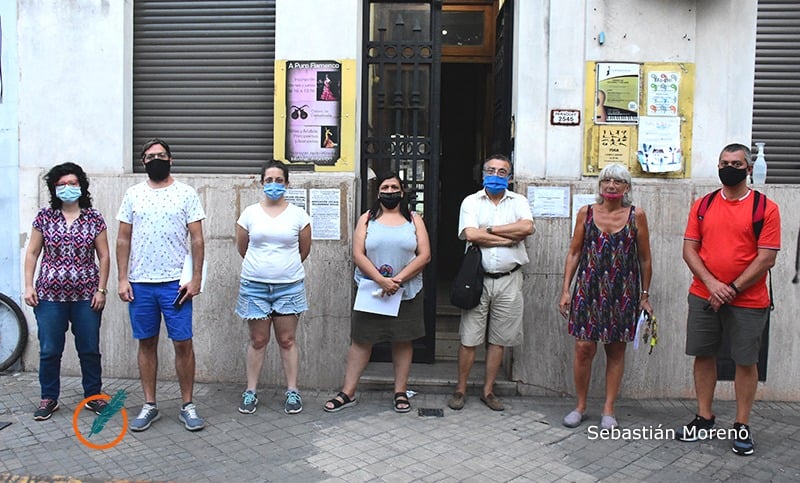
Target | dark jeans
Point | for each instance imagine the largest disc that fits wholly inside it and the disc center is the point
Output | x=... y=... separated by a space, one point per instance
x=53 y=319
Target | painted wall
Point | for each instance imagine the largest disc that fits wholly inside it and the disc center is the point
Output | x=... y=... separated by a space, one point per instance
x=75 y=105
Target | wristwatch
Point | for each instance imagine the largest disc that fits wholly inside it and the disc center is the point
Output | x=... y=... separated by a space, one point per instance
x=489 y=229
x=103 y=291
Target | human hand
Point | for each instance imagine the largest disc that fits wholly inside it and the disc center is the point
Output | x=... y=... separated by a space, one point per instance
x=31 y=298
x=645 y=305
x=389 y=285
x=98 y=301
x=721 y=293
x=564 y=305
x=125 y=291
x=191 y=289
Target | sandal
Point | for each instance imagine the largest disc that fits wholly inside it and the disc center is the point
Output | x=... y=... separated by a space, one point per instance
x=401 y=403
x=339 y=402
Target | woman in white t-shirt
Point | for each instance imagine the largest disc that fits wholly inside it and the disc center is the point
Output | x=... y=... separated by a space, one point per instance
x=274 y=237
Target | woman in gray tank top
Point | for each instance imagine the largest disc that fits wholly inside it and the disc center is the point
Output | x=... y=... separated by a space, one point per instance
x=391 y=248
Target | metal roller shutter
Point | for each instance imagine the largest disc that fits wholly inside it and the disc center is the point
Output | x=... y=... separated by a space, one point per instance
x=203 y=81
x=776 y=107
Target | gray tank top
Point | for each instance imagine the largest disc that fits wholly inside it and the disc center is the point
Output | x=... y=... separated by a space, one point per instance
x=391 y=248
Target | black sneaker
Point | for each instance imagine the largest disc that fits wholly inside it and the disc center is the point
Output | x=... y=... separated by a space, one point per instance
x=743 y=442
x=97 y=406
x=46 y=409
x=696 y=430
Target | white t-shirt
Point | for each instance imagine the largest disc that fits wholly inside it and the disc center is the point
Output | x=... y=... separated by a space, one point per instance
x=159 y=231
x=273 y=252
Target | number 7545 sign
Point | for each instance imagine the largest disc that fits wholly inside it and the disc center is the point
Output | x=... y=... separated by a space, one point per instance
x=565 y=117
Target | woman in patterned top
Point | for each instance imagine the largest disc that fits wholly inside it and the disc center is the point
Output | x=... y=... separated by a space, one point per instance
x=70 y=286
x=610 y=250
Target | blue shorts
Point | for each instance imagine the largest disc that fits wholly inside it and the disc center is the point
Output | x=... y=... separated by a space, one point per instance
x=150 y=301
x=259 y=300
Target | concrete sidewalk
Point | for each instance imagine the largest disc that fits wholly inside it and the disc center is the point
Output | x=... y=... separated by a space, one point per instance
x=370 y=442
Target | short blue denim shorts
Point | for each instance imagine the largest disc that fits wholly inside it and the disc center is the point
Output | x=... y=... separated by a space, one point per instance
x=259 y=300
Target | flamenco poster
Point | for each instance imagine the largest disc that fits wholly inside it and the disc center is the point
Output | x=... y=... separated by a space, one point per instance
x=313 y=112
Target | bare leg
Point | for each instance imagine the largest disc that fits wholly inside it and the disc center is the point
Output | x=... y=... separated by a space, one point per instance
x=705 y=381
x=466 y=358
x=582 y=370
x=357 y=360
x=184 y=367
x=745 y=385
x=494 y=357
x=402 y=354
x=148 y=366
x=259 y=338
x=285 y=327
x=615 y=367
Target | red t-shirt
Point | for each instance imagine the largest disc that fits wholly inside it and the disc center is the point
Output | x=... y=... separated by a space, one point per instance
x=728 y=244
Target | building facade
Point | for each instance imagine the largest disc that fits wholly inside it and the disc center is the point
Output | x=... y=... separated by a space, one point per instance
x=81 y=83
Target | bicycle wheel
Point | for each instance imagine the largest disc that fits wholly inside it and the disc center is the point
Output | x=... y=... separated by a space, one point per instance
x=13 y=332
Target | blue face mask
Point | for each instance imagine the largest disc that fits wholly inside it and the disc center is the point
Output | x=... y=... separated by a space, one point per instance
x=494 y=184
x=68 y=193
x=274 y=191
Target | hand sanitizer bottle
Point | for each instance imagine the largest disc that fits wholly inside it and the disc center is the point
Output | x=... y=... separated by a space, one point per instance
x=760 y=166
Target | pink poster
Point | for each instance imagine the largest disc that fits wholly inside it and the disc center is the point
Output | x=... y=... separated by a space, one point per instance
x=313 y=111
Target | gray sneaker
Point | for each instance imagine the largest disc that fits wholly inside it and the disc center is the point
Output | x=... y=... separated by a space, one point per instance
x=249 y=402
x=294 y=404
x=188 y=416
x=147 y=416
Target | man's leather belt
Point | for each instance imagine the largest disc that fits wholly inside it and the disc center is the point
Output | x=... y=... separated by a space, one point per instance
x=503 y=274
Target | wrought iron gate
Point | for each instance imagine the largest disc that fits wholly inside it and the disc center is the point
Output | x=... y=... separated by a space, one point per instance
x=400 y=121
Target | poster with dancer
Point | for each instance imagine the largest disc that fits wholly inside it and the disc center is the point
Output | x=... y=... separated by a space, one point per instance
x=313 y=112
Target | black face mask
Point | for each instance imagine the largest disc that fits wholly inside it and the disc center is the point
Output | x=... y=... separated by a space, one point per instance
x=390 y=200
x=157 y=169
x=731 y=176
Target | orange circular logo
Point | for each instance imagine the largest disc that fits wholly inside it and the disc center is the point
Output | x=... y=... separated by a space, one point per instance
x=85 y=441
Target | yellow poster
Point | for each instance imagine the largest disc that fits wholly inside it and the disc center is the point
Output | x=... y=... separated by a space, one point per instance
x=615 y=145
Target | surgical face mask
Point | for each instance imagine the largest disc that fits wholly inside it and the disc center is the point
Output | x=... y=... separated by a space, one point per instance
x=68 y=193
x=390 y=200
x=274 y=191
x=495 y=184
x=157 y=169
x=731 y=176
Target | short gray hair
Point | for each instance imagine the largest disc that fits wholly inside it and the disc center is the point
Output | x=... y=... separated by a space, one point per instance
x=615 y=171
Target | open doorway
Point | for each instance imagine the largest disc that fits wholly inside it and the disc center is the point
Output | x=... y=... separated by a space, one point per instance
x=464 y=136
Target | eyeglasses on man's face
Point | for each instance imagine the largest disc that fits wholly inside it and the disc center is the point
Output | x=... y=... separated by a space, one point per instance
x=503 y=173
x=151 y=156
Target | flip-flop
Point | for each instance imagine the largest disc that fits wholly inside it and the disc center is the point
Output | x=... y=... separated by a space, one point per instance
x=339 y=402
x=401 y=403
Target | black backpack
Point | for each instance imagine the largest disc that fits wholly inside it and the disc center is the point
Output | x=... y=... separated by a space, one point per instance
x=468 y=284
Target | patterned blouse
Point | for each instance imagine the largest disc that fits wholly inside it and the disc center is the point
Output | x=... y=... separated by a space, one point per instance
x=68 y=272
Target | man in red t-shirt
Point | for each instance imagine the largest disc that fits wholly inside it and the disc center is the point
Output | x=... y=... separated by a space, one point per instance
x=729 y=293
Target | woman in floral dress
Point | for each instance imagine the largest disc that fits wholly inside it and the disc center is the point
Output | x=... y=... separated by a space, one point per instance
x=610 y=251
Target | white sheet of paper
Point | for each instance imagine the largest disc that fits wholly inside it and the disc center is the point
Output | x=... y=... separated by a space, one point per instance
x=366 y=301
x=186 y=273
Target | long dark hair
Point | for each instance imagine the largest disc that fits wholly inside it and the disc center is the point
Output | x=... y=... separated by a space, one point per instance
x=377 y=208
x=60 y=170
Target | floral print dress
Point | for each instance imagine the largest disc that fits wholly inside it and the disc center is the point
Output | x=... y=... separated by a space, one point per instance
x=605 y=302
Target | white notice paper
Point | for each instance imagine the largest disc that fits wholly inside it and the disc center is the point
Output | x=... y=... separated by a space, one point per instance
x=549 y=201
x=324 y=210
x=368 y=299
x=188 y=269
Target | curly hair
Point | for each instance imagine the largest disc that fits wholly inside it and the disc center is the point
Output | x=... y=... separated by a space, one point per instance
x=61 y=170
